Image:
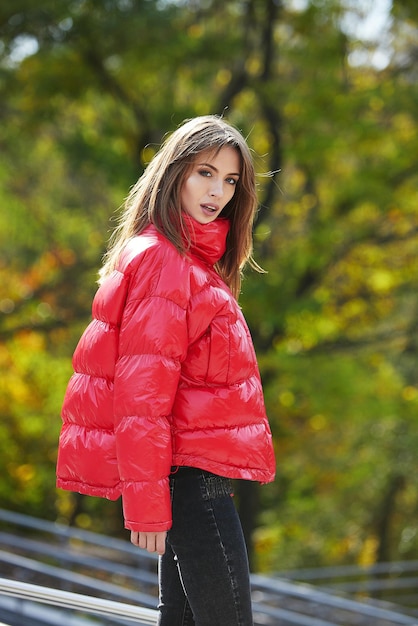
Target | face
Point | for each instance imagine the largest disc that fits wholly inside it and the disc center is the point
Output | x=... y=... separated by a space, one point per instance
x=210 y=184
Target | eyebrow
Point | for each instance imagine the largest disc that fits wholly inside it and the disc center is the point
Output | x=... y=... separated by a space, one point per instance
x=212 y=167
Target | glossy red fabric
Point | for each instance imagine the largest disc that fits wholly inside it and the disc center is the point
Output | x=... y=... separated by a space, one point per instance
x=165 y=374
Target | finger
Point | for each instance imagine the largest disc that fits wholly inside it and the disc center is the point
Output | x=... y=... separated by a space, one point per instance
x=150 y=545
x=160 y=544
x=134 y=537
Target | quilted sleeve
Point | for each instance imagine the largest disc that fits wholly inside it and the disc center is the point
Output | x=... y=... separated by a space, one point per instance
x=152 y=345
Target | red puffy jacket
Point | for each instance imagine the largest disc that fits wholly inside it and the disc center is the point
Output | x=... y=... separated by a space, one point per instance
x=165 y=375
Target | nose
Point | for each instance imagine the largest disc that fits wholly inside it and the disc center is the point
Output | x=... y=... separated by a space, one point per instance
x=216 y=188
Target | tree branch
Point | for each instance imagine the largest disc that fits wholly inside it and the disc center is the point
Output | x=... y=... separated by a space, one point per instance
x=270 y=109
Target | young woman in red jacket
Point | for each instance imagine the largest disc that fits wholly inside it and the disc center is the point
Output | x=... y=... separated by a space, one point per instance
x=165 y=405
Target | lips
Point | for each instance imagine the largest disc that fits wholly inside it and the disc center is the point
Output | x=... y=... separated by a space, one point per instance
x=212 y=208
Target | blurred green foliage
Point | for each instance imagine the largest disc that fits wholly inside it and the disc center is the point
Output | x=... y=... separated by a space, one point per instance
x=88 y=89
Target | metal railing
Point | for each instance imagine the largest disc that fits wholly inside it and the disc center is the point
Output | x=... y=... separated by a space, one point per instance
x=329 y=607
x=144 y=616
x=76 y=601
x=391 y=582
x=71 y=561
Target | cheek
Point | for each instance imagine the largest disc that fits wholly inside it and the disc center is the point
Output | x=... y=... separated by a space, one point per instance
x=186 y=191
x=230 y=193
x=192 y=186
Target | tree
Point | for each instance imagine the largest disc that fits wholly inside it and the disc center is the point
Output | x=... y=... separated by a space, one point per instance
x=333 y=319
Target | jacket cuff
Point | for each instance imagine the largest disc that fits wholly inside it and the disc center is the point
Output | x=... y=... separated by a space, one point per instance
x=147 y=505
x=147 y=528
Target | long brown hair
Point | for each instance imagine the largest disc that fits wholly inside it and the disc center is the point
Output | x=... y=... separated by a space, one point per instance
x=155 y=198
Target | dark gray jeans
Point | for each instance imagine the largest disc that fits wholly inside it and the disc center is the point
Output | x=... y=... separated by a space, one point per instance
x=204 y=575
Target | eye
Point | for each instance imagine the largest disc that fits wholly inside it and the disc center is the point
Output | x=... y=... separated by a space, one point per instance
x=206 y=173
x=231 y=181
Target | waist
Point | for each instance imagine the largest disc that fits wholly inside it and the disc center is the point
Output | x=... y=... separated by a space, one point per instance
x=186 y=470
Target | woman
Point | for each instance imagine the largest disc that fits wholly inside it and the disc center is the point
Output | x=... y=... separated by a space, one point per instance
x=165 y=406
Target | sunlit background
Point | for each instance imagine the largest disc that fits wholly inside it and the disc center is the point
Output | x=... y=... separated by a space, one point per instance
x=326 y=92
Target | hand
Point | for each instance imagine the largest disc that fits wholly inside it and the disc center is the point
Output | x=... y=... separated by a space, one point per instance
x=153 y=542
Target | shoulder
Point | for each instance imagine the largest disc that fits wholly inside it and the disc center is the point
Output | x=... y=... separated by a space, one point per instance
x=149 y=243
x=154 y=267
x=148 y=250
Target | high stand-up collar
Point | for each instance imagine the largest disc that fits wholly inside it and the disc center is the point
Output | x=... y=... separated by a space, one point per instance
x=208 y=241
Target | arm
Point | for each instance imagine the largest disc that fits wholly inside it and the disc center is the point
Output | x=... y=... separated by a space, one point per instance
x=152 y=344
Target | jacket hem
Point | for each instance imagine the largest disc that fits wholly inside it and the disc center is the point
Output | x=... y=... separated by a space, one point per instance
x=228 y=471
x=109 y=493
